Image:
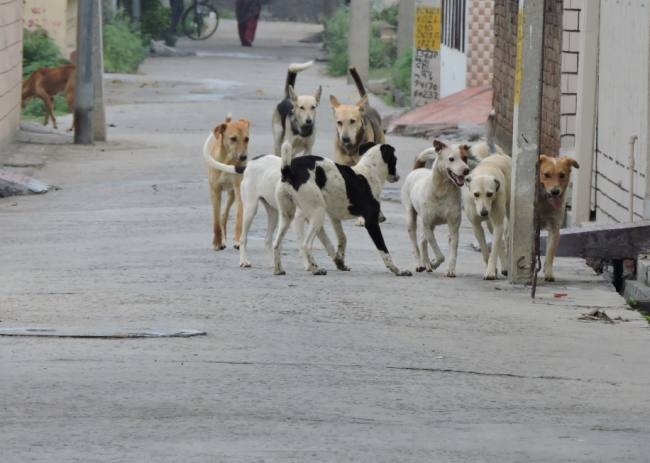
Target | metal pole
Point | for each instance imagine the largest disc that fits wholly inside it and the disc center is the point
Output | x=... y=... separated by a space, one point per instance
x=359 y=38
x=84 y=92
x=136 y=13
x=99 y=112
x=526 y=139
x=405 y=19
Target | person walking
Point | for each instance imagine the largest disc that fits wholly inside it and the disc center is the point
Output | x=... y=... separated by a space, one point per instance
x=248 y=13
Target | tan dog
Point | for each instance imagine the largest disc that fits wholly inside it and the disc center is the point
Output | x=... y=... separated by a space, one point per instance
x=227 y=144
x=45 y=83
x=487 y=198
x=355 y=125
x=554 y=175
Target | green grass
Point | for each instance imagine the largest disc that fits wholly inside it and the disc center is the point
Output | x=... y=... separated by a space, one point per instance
x=35 y=108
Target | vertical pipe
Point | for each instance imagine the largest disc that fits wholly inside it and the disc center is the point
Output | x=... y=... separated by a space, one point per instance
x=631 y=166
x=84 y=91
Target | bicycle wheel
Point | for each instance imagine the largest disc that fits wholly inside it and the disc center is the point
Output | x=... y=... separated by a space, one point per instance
x=200 y=21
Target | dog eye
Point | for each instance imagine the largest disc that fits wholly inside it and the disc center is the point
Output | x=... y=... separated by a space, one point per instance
x=313 y=107
x=562 y=175
x=489 y=195
x=451 y=159
x=233 y=138
x=476 y=195
x=339 y=123
x=246 y=139
x=302 y=107
x=352 y=121
x=464 y=158
x=547 y=175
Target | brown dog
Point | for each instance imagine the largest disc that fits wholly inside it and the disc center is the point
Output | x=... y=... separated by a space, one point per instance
x=227 y=144
x=554 y=176
x=45 y=83
x=355 y=125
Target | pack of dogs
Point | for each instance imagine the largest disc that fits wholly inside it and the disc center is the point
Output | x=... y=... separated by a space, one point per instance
x=299 y=188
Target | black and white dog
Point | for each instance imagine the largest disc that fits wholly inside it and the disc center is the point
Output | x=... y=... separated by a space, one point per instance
x=294 y=118
x=321 y=187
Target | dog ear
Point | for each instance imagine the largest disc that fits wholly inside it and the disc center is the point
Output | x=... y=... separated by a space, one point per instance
x=228 y=118
x=571 y=161
x=496 y=182
x=334 y=102
x=365 y=147
x=246 y=122
x=438 y=145
x=220 y=129
x=292 y=94
x=545 y=158
x=318 y=93
x=362 y=102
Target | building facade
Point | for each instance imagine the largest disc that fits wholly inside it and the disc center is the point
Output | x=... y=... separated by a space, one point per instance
x=11 y=58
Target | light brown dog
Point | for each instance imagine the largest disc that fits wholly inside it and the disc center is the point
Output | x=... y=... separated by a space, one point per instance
x=45 y=83
x=227 y=144
x=554 y=176
x=355 y=125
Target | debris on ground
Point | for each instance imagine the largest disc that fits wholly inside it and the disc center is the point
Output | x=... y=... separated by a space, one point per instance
x=601 y=315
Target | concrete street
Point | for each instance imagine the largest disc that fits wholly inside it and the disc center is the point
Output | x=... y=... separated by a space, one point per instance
x=358 y=366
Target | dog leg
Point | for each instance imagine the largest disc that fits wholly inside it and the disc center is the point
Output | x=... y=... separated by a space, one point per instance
x=412 y=228
x=551 y=248
x=497 y=244
x=479 y=234
x=271 y=225
x=299 y=222
x=316 y=221
x=250 y=209
x=226 y=213
x=339 y=256
x=425 y=263
x=238 y=215
x=431 y=238
x=217 y=240
x=287 y=211
x=375 y=234
x=454 y=227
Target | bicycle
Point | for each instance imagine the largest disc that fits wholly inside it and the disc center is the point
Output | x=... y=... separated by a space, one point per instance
x=200 y=20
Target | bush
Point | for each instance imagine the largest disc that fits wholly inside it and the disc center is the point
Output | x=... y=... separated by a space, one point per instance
x=336 y=42
x=401 y=77
x=123 y=49
x=155 y=22
x=39 y=50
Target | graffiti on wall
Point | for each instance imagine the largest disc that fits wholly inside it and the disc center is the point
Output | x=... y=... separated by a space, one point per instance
x=425 y=80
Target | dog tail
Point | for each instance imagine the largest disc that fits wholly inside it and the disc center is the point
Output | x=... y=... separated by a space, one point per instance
x=287 y=156
x=423 y=157
x=294 y=69
x=357 y=81
x=216 y=164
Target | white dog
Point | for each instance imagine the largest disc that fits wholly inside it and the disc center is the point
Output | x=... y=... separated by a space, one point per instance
x=487 y=198
x=434 y=195
x=320 y=187
x=294 y=118
x=261 y=178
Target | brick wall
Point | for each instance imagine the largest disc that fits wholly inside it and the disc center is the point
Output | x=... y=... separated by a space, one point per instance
x=505 y=55
x=11 y=55
x=570 y=57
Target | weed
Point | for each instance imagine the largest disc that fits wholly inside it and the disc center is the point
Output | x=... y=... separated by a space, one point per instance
x=39 y=50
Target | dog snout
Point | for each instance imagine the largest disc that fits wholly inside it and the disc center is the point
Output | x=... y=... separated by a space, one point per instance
x=243 y=156
x=484 y=212
x=308 y=121
x=555 y=191
x=345 y=139
x=466 y=171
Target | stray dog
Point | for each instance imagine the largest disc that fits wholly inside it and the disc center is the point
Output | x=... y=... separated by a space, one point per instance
x=294 y=119
x=355 y=125
x=487 y=198
x=226 y=144
x=45 y=83
x=321 y=187
x=261 y=177
x=434 y=195
x=554 y=175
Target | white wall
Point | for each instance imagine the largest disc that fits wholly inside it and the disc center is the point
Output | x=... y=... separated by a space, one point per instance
x=453 y=75
x=622 y=109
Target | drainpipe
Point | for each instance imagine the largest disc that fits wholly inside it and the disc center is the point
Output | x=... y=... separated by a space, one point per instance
x=631 y=165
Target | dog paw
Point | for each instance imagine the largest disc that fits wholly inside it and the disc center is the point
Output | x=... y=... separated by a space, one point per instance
x=319 y=271
x=279 y=272
x=550 y=278
x=245 y=264
x=504 y=273
x=450 y=274
x=420 y=268
x=403 y=273
x=219 y=247
x=490 y=276
x=236 y=246
x=436 y=263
